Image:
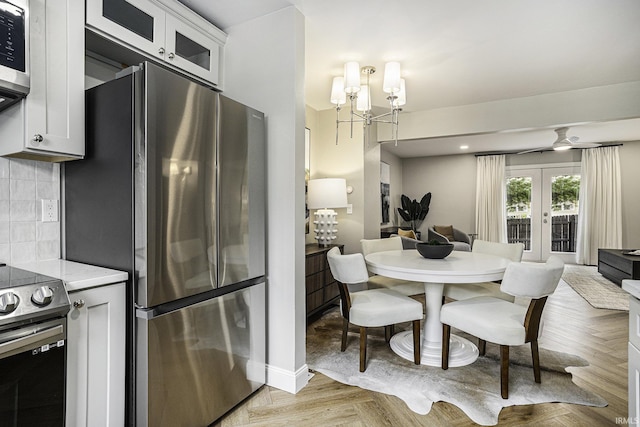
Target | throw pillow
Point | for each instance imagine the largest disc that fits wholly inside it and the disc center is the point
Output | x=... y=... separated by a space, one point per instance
x=406 y=233
x=445 y=230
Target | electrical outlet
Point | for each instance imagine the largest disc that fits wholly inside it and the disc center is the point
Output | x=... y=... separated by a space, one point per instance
x=49 y=210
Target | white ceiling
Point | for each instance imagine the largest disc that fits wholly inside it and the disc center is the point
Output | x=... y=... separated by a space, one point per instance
x=462 y=52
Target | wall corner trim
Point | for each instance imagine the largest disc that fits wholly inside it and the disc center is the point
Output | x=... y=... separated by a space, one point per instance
x=288 y=381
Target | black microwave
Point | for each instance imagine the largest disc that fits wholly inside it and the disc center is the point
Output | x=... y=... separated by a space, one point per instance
x=14 y=51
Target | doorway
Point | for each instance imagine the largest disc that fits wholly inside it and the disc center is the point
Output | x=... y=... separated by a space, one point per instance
x=542 y=210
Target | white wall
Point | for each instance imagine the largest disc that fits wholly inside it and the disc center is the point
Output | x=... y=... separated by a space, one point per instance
x=630 y=165
x=342 y=160
x=264 y=68
x=452 y=183
x=396 y=190
x=23 y=236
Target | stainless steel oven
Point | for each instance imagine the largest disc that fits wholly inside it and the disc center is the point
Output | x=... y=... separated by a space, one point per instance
x=33 y=334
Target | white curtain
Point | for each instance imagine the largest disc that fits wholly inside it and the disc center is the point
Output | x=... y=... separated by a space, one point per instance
x=491 y=218
x=600 y=212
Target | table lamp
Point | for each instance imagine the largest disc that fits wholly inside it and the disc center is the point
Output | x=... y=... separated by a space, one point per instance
x=325 y=194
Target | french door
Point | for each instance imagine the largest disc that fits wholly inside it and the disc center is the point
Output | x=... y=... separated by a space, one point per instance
x=542 y=211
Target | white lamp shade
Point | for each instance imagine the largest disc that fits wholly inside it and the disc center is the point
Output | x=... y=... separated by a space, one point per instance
x=401 y=96
x=327 y=193
x=351 y=77
x=338 y=96
x=391 y=81
x=364 y=102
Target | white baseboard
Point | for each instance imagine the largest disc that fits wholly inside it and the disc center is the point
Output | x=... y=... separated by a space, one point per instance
x=288 y=381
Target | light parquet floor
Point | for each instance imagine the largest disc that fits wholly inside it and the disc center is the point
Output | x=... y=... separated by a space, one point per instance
x=571 y=325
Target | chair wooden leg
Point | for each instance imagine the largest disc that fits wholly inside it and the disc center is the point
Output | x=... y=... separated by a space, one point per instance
x=345 y=329
x=482 y=347
x=389 y=330
x=446 y=335
x=363 y=348
x=416 y=342
x=504 y=371
x=536 y=361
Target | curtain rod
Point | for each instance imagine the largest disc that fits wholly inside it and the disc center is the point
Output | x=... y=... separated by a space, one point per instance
x=498 y=153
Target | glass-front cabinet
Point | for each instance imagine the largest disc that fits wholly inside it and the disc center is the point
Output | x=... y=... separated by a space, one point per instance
x=165 y=30
x=191 y=50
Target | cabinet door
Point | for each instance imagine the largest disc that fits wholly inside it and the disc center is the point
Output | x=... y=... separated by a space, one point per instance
x=634 y=382
x=96 y=357
x=140 y=23
x=55 y=105
x=191 y=50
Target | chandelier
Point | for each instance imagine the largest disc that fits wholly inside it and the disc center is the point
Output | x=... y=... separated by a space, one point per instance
x=360 y=96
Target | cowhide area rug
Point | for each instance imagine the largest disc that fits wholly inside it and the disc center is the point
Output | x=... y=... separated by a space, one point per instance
x=474 y=388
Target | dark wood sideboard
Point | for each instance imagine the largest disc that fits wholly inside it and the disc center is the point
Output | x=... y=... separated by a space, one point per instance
x=615 y=266
x=321 y=288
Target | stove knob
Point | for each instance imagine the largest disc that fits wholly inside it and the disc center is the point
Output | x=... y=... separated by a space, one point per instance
x=8 y=302
x=42 y=296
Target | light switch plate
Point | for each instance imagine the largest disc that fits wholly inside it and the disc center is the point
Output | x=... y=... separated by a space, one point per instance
x=50 y=210
x=349 y=209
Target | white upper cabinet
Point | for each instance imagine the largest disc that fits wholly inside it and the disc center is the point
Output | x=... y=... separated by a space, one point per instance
x=191 y=50
x=49 y=123
x=164 y=30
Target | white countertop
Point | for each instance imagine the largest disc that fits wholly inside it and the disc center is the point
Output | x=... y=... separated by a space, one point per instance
x=75 y=275
x=632 y=286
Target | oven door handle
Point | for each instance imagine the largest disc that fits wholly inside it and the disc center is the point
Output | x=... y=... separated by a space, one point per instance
x=45 y=335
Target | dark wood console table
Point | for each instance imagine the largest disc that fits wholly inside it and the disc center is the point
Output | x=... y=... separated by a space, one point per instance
x=615 y=266
x=321 y=288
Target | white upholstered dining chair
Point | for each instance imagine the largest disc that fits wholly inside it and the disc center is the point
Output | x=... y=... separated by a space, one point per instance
x=503 y=322
x=370 y=308
x=405 y=287
x=462 y=291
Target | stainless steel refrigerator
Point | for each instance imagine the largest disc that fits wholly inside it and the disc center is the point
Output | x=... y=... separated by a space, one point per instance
x=172 y=190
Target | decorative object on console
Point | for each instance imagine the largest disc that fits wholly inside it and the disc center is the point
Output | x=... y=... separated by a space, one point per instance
x=434 y=249
x=325 y=194
x=414 y=212
x=360 y=95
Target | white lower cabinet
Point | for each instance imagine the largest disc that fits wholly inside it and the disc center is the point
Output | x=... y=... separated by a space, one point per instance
x=96 y=357
x=634 y=358
x=634 y=383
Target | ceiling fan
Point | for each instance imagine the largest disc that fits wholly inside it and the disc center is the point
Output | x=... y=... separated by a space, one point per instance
x=563 y=143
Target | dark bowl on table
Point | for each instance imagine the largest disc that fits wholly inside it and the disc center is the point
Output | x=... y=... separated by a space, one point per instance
x=432 y=251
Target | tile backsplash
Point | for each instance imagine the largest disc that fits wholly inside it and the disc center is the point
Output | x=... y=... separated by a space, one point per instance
x=23 y=235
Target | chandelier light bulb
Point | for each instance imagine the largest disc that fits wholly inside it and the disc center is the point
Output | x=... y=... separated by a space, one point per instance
x=338 y=96
x=364 y=102
x=391 y=82
x=351 y=77
x=401 y=96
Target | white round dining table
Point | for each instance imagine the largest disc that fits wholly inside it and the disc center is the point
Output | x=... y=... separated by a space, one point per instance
x=458 y=267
